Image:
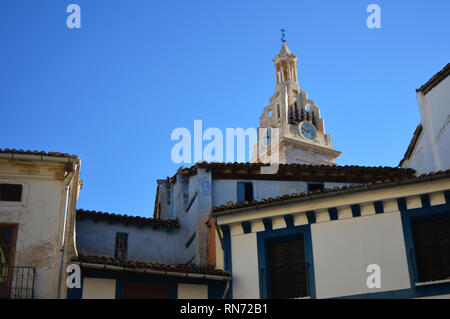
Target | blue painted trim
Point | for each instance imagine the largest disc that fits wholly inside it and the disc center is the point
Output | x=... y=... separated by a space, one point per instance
x=246 y=227
x=289 y=219
x=401 y=202
x=425 y=199
x=447 y=196
x=333 y=213
x=356 y=210
x=267 y=224
x=379 y=209
x=311 y=215
x=227 y=255
x=267 y=237
x=413 y=215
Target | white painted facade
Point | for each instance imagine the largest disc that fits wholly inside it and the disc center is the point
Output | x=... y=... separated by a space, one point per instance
x=432 y=151
x=39 y=217
x=342 y=249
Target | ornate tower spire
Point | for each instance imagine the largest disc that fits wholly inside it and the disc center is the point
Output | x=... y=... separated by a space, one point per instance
x=302 y=137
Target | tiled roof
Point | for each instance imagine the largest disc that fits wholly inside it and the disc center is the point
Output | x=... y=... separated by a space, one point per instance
x=435 y=80
x=230 y=206
x=29 y=152
x=298 y=172
x=141 y=221
x=133 y=264
x=412 y=144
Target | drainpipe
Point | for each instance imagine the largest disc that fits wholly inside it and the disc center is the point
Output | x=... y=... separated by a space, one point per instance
x=66 y=206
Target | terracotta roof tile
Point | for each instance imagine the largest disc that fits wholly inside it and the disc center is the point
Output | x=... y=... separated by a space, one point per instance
x=135 y=264
x=230 y=206
x=29 y=152
x=304 y=172
x=141 y=221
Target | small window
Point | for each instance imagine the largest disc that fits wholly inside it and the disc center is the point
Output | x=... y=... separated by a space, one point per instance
x=312 y=187
x=121 y=248
x=10 y=192
x=268 y=137
x=244 y=192
x=432 y=249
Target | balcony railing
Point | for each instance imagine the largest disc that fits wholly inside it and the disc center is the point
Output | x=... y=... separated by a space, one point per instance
x=16 y=282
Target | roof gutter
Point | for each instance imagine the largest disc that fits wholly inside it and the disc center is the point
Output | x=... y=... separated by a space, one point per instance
x=155 y=272
x=334 y=193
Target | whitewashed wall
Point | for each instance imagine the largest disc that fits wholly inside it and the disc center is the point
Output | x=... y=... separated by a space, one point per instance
x=435 y=114
x=245 y=264
x=343 y=249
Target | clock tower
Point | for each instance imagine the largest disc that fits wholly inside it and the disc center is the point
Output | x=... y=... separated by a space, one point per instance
x=301 y=131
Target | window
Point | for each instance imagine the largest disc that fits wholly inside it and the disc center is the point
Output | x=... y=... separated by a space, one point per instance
x=315 y=186
x=287 y=269
x=244 y=192
x=120 y=251
x=10 y=192
x=432 y=249
x=268 y=137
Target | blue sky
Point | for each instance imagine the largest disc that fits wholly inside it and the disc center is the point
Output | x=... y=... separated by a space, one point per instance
x=113 y=91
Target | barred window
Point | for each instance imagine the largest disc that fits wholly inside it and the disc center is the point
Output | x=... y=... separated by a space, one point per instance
x=121 y=247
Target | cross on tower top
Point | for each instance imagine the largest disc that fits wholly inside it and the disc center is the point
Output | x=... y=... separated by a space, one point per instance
x=283 y=34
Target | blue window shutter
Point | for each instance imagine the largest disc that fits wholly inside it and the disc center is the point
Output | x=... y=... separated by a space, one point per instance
x=240 y=192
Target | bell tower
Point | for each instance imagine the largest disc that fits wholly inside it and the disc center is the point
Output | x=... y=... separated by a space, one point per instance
x=301 y=130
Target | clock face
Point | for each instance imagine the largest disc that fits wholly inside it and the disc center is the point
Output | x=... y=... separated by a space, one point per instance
x=308 y=131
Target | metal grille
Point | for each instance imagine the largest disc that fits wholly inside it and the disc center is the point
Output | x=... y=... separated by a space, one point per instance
x=16 y=282
x=121 y=247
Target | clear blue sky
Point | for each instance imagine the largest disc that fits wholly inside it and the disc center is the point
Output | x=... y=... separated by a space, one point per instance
x=113 y=91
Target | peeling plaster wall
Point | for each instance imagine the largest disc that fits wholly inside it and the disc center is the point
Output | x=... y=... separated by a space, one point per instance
x=40 y=216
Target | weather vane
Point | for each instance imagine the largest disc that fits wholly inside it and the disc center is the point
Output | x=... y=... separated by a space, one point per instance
x=283 y=35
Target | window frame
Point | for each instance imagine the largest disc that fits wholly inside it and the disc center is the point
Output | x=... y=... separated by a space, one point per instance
x=243 y=183
x=116 y=248
x=24 y=197
x=265 y=238
x=409 y=216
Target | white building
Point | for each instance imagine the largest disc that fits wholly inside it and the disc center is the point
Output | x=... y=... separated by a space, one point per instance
x=38 y=195
x=429 y=148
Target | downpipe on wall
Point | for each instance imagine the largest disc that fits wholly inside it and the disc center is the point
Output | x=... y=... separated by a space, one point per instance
x=66 y=206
